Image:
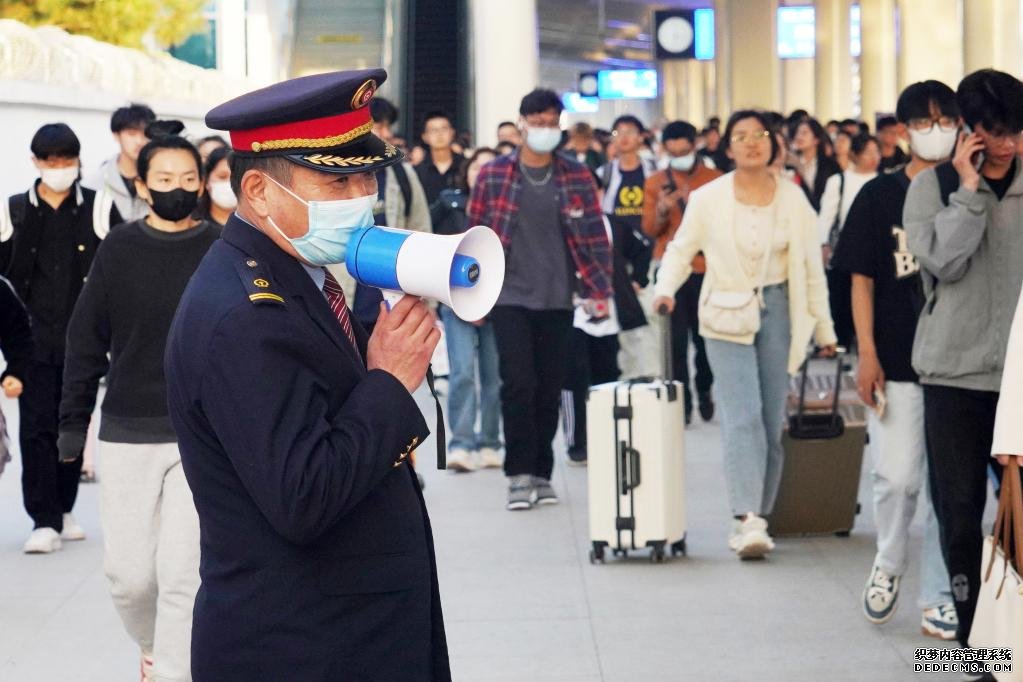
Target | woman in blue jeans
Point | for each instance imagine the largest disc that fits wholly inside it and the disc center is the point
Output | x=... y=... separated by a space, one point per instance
x=472 y=351
x=763 y=298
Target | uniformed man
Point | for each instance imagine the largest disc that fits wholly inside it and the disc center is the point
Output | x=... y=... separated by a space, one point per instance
x=295 y=429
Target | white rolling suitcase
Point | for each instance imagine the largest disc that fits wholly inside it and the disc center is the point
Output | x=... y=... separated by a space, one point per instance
x=636 y=465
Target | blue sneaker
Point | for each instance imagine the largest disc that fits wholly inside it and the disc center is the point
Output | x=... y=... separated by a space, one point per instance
x=940 y=622
x=880 y=596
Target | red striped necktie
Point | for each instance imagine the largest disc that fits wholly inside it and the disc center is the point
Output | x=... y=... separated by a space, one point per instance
x=338 y=305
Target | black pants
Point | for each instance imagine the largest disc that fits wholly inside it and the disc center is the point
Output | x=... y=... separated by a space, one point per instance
x=49 y=487
x=532 y=348
x=685 y=325
x=959 y=426
x=840 y=300
x=592 y=360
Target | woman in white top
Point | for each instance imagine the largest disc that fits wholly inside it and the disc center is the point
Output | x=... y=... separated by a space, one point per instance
x=764 y=296
x=839 y=193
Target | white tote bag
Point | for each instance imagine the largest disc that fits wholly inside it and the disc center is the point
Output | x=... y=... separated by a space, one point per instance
x=998 y=620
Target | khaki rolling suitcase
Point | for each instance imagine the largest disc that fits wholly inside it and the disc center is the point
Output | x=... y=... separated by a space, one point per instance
x=825 y=435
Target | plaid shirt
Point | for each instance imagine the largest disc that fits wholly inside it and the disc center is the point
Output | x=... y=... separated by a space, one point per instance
x=495 y=202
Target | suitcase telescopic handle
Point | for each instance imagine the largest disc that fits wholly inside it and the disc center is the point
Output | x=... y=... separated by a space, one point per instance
x=629 y=461
x=666 y=362
x=838 y=386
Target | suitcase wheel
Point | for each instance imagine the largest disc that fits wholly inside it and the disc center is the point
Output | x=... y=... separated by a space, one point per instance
x=596 y=557
x=678 y=548
x=842 y=533
x=657 y=555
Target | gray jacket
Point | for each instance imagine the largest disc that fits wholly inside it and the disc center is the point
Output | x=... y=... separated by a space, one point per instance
x=971 y=258
x=110 y=190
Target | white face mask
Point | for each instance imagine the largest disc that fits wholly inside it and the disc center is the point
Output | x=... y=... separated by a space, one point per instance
x=331 y=224
x=683 y=163
x=543 y=140
x=59 y=179
x=223 y=196
x=934 y=145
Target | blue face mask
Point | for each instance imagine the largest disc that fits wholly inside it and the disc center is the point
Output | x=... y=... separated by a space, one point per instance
x=331 y=224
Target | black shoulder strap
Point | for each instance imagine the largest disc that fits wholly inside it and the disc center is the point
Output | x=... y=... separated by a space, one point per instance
x=948 y=180
x=18 y=205
x=406 y=187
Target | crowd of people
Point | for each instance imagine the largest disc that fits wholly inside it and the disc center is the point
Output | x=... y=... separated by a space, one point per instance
x=760 y=238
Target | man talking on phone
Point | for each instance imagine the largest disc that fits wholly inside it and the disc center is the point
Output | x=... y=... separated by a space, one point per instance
x=964 y=224
x=295 y=430
x=887 y=297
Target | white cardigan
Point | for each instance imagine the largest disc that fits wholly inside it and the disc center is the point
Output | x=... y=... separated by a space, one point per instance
x=1008 y=438
x=708 y=226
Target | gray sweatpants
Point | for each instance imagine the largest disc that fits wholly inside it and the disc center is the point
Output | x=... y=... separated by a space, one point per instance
x=151 y=550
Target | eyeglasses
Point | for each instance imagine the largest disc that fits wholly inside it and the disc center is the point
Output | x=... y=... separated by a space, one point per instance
x=739 y=138
x=926 y=126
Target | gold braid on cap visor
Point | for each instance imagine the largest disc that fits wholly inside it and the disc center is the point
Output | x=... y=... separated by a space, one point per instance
x=313 y=142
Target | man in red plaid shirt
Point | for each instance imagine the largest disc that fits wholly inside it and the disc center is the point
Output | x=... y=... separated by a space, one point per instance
x=544 y=208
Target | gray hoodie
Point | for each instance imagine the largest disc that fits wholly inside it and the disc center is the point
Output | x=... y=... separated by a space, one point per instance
x=971 y=255
x=111 y=190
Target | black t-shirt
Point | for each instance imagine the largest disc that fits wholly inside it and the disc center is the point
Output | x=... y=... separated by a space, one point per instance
x=1001 y=186
x=873 y=243
x=628 y=209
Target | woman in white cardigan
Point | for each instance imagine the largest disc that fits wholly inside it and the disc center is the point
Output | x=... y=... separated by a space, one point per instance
x=763 y=298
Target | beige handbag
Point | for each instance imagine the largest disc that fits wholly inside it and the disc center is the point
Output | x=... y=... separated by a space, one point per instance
x=998 y=619
x=737 y=313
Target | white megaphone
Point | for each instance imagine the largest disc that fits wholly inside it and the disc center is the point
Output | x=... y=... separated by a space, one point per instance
x=463 y=271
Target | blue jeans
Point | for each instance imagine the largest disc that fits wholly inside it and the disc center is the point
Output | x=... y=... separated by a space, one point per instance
x=470 y=347
x=752 y=382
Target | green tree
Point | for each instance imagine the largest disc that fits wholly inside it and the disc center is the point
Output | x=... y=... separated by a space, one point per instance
x=121 y=22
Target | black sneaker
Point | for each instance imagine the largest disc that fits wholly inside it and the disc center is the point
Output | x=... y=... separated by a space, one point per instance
x=706 y=406
x=577 y=457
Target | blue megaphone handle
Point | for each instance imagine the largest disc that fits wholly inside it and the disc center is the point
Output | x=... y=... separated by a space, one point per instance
x=465 y=271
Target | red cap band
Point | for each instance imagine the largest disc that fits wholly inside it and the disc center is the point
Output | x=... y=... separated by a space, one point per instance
x=329 y=131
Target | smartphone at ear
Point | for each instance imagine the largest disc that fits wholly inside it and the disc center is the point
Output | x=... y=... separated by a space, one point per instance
x=978 y=157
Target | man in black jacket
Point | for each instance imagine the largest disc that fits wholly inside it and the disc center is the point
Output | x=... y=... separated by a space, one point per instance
x=47 y=241
x=295 y=429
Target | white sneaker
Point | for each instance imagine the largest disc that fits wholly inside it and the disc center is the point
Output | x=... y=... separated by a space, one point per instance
x=42 y=541
x=460 y=461
x=489 y=458
x=72 y=531
x=749 y=537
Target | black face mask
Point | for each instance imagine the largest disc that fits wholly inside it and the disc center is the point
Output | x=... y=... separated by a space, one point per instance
x=176 y=204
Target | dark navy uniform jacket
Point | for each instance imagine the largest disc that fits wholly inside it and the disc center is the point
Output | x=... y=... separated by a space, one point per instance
x=317 y=555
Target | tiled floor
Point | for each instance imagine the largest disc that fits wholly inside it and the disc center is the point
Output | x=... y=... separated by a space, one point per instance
x=522 y=601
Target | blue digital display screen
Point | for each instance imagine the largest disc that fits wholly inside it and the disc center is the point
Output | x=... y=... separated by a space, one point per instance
x=627 y=84
x=577 y=104
x=797 y=34
x=703 y=28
